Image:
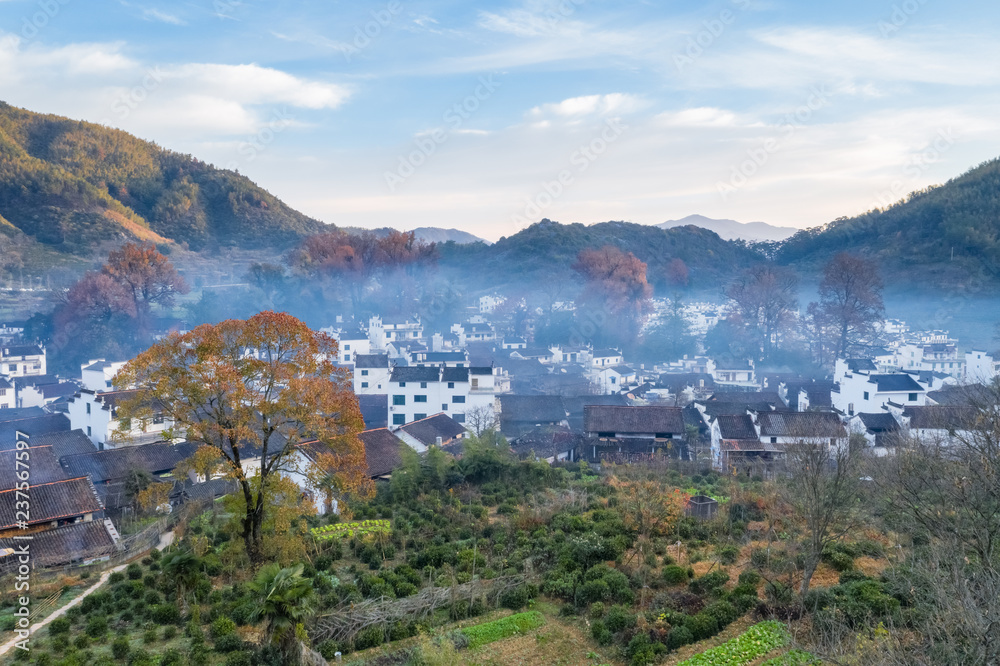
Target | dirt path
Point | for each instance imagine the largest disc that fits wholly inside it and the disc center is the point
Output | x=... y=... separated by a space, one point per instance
x=166 y=539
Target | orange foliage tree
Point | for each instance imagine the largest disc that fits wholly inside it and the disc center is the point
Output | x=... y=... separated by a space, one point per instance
x=616 y=282
x=254 y=390
x=647 y=508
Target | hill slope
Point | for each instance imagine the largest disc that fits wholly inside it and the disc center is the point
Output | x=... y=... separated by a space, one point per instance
x=545 y=252
x=70 y=185
x=732 y=230
x=943 y=236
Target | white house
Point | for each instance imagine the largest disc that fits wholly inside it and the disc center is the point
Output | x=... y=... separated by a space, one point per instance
x=514 y=343
x=98 y=374
x=22 y=360
x=734 y=373
x=487 y=304
x=613 y=379
x=96 y=414
x=7 y=397
x=414 y=393
x=474 y=331
x=371 y=374
x=603 y=358
x=935 y=352
x=41 y=394
x=980 y=367
x=437 y=430
x=382 y=333
x=866 y=392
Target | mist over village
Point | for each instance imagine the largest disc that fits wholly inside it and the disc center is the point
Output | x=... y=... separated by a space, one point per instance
x=532 y=332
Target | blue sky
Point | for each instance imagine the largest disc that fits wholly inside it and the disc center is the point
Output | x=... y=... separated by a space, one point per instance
x=488 y=116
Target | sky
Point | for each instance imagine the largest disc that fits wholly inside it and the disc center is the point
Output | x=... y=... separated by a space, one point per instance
x=489 y=116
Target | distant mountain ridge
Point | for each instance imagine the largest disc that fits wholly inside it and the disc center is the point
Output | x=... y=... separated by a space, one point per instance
x=427 y=234
x=72 y=185
x=732 y=230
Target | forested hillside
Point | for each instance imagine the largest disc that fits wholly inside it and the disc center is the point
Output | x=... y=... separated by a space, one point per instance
x=71 y=185
x=945 y=235
x=547 y=250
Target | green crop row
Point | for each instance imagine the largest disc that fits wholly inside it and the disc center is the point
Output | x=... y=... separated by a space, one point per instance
x=752 y=644
x=488 y=632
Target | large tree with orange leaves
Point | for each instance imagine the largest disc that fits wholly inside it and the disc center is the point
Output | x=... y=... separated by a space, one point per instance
x=616 y=285
x=254 y=390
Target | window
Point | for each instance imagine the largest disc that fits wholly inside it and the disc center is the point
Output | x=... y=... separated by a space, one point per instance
x=913 y=397
x=88 y=431
x=88 y=407
x=850 y=409
x=364 y=373
x=12 y=367
x=423 y=384
x=402 y=384
x=614 y=380
x=347 y=357
x=420 y=398
x=364 y=384
x=399 y=399
x=866 y=395
x=399 y=419
x=475 y=383
x=444 y=407
x=347 y=347
x=459 y=418
x=458 y=399
x=833 y=441
x=774 y=440
x=3 y=391
x=419 y=417
x=158 y=419
x=451 y=384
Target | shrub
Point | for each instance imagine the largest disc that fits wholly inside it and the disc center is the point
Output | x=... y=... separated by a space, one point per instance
x=241 y=658
x=710 y=581
x=82 y=642
x=702 y=626
x=171 y=657
x=749 y=578
x=149 y=636
x=642 y=650
x=727 y=554
x=97 y=626
x=229 y=643
x=369 y=638
x=679 y=637
x=8 y=623
x=779 y=593
x=242 y=614
x=222 y=626
x=120 y=648
x=619 y=618
x=133 y=571
x=116 y=577
x=839 y=561
x=60 y=625
x=169 y=632
x=516 y=598
x=597 y=610
x=852 y=576
x=328 y=649
x=758 y=558
x=674 y=575
x=166 y=614
x=723 y=611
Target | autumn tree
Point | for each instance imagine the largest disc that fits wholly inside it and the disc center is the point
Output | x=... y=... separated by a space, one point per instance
x=851 y=301
x=357 y=260
x=147 y=278
x=616 y=285
x=254 y=390
x=678 y=275
x=763 y=301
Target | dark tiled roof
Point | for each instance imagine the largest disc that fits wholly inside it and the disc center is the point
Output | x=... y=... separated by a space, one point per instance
x=750 y=446
x=941 y=417
x=445 y=357
x=633 y=420
x=209 y=490
x=898 y=382
x=881 y=422
x=20 y=350
x=534 y=408
x=382 y=451
x=678 y=382
x=22 y=383
x=734 y=426
x=525 y=368
x=620 y=369
x=371 y=361
x=575 y=404
x=426 y=431
x=65 y=443
x=961 y=395
x=734 y=408
x=71 y=543
x=480 y=370
x=52 y=501
x=117 y=463
x=750 y=397
x=413 y=374
x=33 y=426
x=605 y=353
x=860 y=364
x=41 y=463
x=15 y=413
x=800 y=424
x=374 y=410
x=455 y=375
x=52 y=391
x=99 y=365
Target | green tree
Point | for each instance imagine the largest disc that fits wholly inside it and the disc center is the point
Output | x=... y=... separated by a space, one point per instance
x=285 y=599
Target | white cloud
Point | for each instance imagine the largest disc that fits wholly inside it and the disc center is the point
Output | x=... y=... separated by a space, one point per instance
x=162 y=17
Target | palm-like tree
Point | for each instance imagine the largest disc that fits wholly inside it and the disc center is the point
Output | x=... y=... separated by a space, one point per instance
x=184 y=569
x=284 y=599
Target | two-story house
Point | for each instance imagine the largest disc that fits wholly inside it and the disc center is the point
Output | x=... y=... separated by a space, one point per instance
x=414 y=393
x=22 y=360
x=96 y=414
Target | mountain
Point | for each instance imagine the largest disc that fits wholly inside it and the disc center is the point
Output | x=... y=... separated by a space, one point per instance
x=71 y=185
x=438 y=235
x=944 y=236
x=732 y=230
x=544 y=253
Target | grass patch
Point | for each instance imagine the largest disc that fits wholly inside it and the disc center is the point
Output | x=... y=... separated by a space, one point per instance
x=752 y=644
x=489 y=632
